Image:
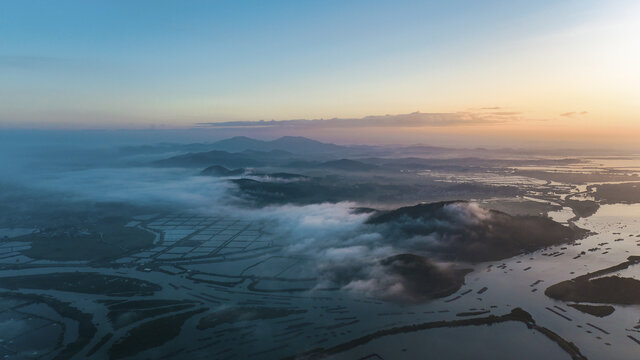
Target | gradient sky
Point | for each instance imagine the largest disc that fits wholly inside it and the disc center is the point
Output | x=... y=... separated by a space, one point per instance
x=567 y=68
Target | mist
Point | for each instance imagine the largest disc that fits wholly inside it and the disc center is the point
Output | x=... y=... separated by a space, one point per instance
x=58 y=176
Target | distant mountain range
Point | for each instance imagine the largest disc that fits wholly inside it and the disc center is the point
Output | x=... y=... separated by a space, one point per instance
x=297 y=147
x=217 y=170
x=286 y=151
x=216 y=162
x=210 y=158
x=303 y=153
x=341 y=164
x=290 y=144
x=221 y=171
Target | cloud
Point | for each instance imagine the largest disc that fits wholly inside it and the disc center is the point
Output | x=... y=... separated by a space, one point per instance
x=573 y=113
x=339 y=246
x=416 y=119
x=338 y=243
x=141 y=186
x=382 y=274
x=506 y=113
x=348 y=253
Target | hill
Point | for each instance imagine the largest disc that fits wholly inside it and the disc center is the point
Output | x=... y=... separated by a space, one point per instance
x=292 y=144
x=341 y=164
x=458 y=230
x=217 y=170
x=204 y=159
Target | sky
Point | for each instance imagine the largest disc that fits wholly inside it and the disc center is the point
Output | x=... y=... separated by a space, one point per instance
x=553 y=70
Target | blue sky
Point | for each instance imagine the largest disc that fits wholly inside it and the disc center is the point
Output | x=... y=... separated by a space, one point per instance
x=94 y=64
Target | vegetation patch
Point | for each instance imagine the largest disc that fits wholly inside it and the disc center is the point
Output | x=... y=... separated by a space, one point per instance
x=583 y=208
x=463 y=231
x=594 y=287
x=627 y=193
x=150 y=334
x=595 y=310
x=604 y=290
x=86 y=329
x=106 y=239
x=82 y=282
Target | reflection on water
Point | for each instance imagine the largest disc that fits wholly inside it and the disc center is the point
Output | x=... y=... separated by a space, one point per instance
x=618 y=211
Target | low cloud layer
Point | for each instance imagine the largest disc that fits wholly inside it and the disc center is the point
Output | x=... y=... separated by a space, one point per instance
x=349 y=254
x=392 y=259
x=336 y=242
x=406 y=255
x=144 y=186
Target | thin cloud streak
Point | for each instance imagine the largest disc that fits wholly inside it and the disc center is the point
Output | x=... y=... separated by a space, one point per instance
x=573 y=113
x=416 y=119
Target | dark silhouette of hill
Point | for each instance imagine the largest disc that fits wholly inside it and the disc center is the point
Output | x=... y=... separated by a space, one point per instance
x=239 y=144
x=421 y=278
x=607 y=290
x=341 y=164
x=221 y=171
x=594 y=287
x=314 y=190
x=202 y=159
x=458 y=230
x=217 y=170
x=279 y=175
x=348 y=165
x=292 y=144
x=595 y=310
x=459 y=163
x=337 y=187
